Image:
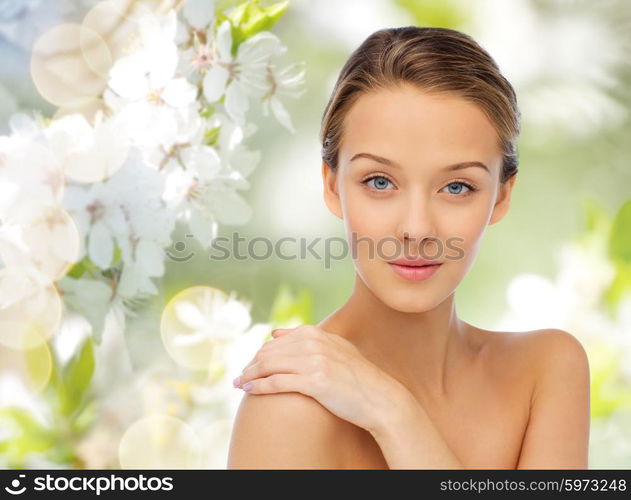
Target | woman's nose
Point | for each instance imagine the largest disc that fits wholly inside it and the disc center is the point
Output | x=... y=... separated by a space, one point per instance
x=416 y=222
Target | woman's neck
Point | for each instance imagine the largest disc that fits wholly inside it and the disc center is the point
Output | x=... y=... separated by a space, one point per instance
x=421 y=350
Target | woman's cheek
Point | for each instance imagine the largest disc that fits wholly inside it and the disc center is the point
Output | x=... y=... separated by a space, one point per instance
x=366 y=216
x=464 y=233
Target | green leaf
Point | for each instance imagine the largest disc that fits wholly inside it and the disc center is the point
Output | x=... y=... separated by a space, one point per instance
x=211 y=136
x=249 y=18
x=77 y=270
x=118 y=253
x=85 y=418
x=257 y=19
x=77 y=375
x=27 y=435
x=81 y=267
x=207 y=111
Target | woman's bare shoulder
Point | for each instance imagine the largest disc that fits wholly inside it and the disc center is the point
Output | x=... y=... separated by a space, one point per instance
x=557 y=368
x=534 y=344
x=553 y=349
x=284 y=431
x=533 y=351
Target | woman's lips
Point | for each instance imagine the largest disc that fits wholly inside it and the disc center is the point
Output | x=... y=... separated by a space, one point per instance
x=416 y=272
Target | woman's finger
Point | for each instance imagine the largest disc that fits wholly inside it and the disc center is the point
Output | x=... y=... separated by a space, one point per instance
x=270 y=346
x=279 y=382
x=279 y=332
x=271 y=365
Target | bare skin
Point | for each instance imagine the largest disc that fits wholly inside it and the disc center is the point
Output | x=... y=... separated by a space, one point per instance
x=484 y=408
x=443 y=393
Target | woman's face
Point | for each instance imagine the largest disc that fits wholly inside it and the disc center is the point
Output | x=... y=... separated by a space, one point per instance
x=410 y=203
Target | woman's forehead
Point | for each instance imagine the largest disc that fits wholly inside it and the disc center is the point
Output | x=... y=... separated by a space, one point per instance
x=408 y=120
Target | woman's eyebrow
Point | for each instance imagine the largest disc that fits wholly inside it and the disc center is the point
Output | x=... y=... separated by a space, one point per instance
x=390 y=163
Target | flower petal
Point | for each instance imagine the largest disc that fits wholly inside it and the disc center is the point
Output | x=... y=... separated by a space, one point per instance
x=215 y=83
x=199 y=13
x=100 y=246
x=281 y=114
x=179 y=93
x=244 y=161
x=223 y=41
x=259 y=48
x=236 y=102
x=150 y=258
x=203 y=226
x=189 y=314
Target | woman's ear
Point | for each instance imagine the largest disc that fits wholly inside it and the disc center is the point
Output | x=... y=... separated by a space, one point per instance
x=331 y=194
x=503 y=200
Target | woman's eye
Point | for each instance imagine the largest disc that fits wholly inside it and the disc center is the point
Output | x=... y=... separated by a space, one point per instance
x=378 y=182
x=457 y=188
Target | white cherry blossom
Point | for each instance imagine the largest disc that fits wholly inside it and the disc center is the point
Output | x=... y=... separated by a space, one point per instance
x=288 y=83
x=189 y=133
x=29 y=171
x=88 y=153
x=143 y=87
x=100 y=218
x=188 y=191
x=243 y=76
x=148 y=101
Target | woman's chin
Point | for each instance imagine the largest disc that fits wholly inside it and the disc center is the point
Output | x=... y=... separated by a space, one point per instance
x=407 y=301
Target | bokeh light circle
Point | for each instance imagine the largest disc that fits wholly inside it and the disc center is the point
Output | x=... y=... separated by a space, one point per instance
x=191 y=332
x=52 y=237
x=32 y=318
x=32 y=366
x=160 y=442
x=69 y=63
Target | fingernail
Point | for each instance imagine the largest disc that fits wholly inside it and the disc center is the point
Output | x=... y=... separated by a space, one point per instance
x=236 y=382
x=247 y=386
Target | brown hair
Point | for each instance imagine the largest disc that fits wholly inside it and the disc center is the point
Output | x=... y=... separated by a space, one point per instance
x=438 y=60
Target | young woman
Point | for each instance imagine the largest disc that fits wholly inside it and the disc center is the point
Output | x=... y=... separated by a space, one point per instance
x=419 y=157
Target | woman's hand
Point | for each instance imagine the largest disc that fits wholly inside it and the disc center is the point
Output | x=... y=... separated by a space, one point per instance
x=328 y=368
